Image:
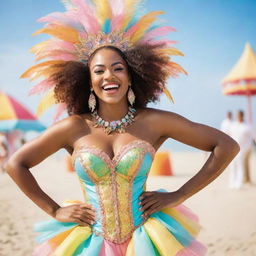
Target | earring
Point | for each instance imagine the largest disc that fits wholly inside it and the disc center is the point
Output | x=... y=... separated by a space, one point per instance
x=131 y=95
x=92 y=101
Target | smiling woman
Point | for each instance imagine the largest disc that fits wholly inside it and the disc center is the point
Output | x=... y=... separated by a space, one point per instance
x=72 y=79
x=105 y=66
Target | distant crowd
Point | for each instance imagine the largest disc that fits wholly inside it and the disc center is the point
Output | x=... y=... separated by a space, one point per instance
x=245 y=135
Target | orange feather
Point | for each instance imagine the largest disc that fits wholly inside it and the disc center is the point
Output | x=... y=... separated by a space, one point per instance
x=62 y=32
x=143 y=24
x=40 y=66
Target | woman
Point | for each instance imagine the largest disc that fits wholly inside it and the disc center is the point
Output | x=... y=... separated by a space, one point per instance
x=113 y=143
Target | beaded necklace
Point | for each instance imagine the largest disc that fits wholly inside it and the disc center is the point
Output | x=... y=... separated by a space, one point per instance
x=117 y=125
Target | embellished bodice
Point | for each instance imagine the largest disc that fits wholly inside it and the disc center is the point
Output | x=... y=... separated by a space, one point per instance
x=113 y=186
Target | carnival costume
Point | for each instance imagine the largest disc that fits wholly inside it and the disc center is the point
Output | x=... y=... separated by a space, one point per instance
x=111 y=186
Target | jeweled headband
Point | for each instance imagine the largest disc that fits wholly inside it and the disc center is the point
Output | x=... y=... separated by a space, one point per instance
x=87 y=25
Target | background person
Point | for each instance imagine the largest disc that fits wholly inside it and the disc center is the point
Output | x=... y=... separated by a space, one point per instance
x=244 y=134
x=3 y=150
x=227 y=123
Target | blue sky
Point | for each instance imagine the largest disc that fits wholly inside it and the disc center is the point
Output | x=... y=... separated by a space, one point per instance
x=211 y=34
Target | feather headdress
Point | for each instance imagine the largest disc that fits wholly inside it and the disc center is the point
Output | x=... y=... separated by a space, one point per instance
x=87 y=25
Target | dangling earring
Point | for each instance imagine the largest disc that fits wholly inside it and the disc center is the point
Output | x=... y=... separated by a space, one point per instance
x=131 y=96
x=92 y=101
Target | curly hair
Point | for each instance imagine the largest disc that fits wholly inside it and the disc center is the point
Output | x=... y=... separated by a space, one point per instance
x=146 y=67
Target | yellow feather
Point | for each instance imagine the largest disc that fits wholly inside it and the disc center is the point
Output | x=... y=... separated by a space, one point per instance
x=178 y=67
x=62 y=32
x=43 y=55
x=46 y=102
x=143 y=24
x=103 y=10
x=40 y=66
x=168 y=94
x=129 y=7
x=47 y=72
x=51 y=53
x=39 y=47
x=170 y=51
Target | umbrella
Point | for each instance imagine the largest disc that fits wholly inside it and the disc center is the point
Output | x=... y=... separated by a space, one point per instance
x=241 y=80
x=14 y=116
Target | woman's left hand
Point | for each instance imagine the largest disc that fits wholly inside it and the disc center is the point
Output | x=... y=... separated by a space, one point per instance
x=153 y=201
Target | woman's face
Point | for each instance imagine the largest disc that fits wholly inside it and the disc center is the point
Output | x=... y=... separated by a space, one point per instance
x=109 y=76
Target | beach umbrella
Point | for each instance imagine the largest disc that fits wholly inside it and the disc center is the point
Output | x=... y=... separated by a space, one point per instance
x=241 y=80
x=14 y=116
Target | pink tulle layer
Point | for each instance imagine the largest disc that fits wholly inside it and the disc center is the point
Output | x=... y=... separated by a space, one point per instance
x=110 y=249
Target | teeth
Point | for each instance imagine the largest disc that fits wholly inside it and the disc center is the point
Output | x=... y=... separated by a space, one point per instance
x=110 y=86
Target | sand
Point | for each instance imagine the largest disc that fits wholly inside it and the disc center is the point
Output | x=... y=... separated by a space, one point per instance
x=228 y=217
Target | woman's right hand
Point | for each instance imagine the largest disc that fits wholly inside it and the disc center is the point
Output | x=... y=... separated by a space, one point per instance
x=83 y=214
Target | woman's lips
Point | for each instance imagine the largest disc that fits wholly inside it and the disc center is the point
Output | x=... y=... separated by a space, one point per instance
x=111 y=91
x=108 y=90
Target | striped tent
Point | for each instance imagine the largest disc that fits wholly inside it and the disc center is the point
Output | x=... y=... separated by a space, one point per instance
x=14 y=116
x=241 y=80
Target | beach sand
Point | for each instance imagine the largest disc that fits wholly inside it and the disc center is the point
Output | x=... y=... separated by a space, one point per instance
x=228 y=217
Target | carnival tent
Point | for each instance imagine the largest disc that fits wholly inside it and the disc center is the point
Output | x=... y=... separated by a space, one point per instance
x=241 y=80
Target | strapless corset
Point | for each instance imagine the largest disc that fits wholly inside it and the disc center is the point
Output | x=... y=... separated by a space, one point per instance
x=113 y=186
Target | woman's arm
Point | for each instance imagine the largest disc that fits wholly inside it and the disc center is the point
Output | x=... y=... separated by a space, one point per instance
x=31 y=154
x=223 y=149
x=61 y=135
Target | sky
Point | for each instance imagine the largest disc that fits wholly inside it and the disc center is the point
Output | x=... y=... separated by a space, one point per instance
x=210 y=33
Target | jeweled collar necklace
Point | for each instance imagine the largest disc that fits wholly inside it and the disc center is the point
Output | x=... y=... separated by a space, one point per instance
x=117 y=125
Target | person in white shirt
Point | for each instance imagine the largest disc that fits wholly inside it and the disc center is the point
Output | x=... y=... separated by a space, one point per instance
x=244 y=134
x=226 y=126
x=3 y=150
x=227 y=123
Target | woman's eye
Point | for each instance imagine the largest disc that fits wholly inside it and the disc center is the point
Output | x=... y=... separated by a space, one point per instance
x=118 y=69
x=98 y=71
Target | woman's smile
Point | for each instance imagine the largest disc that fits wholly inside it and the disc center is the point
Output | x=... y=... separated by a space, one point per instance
x=111 y=88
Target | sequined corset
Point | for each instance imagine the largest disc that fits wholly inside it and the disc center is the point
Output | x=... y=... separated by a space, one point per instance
x=113 y=186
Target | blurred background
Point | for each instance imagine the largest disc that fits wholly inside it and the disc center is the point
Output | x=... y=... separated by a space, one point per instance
x=211 y=33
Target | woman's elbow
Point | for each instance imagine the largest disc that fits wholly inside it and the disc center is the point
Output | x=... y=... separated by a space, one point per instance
x=233 y=147
x=11 y=165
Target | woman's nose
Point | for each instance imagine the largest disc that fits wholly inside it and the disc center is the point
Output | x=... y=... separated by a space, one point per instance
x=108 y=75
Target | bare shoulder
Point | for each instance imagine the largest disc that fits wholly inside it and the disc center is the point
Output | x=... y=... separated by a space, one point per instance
x=158 y=115
x=165 y=123
x=65 y=131
x=73 y=123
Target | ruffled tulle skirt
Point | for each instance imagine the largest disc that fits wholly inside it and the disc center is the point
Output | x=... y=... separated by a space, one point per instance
x=170 y=232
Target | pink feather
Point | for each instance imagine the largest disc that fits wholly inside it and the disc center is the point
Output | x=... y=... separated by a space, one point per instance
x=164 y=42
x=117 y=23
x=41 y=87
x=52 y=17
x=131 y=30
x=63 y=56
x=161 y=31
x=56 y=44
x=64 y=45
x=118 y=14
x=86 y=15
x=62 y=18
